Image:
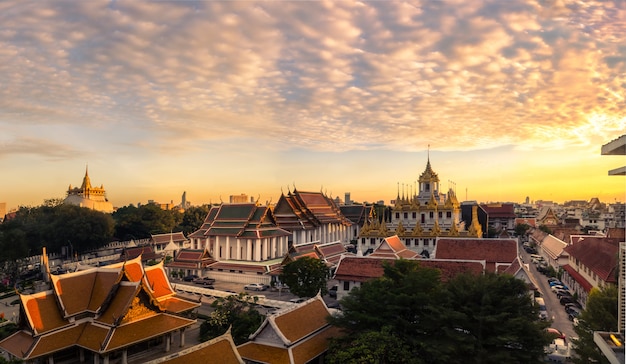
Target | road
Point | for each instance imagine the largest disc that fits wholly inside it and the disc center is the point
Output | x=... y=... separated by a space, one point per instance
x=556 y=312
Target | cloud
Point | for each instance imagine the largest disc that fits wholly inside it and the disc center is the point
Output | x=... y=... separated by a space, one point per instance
x=331 y=76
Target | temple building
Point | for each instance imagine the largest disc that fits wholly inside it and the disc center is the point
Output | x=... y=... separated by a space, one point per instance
x=244 y=241
x=311 y=217
x=419 y=217
x=100 y=315
x=88 y=196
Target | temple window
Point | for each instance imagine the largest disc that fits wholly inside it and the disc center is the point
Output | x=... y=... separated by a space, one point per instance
x=346 y=285
x=431 y=214
x=406 y=215
x=449 y=214
x=426 y=242
x=440 y=214
x=414 y=215
x=423 y=218
x=397 y=215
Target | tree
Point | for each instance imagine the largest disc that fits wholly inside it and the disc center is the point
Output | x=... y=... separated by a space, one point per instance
x=405 y=300
x=193 y=218
x=306 y=277
x=375 y=347
x=545 y=229
x=600 y=314
x=236 y=311
x=491 y=319
x=141 y=222
x=469 y=319
x=521 y=229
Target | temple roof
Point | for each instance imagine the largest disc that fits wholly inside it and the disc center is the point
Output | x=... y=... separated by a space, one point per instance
x=100 y=309
x=294 y=335
x=242 y=220
x=307 y=210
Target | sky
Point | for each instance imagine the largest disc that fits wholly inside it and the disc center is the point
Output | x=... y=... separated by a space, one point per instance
x=507 y=99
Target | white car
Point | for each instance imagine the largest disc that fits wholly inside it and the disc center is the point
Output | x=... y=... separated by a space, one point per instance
x=255 y=287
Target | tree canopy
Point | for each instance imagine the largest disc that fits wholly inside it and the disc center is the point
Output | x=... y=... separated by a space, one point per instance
x=600 y=314
x=306 y=277
x=235 y=311
x=468 y=319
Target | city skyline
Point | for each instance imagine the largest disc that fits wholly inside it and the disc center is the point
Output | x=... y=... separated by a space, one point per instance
x=507 y=99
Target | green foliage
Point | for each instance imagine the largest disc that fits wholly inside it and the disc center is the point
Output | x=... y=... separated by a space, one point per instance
x=141 y=222
x=375 y=347
x=545 y=229
x=600 y=314
x=237 y=312
x=192 y=219
x=521 y=229
x=54 y=226
x=469 y=319
x=306 y=277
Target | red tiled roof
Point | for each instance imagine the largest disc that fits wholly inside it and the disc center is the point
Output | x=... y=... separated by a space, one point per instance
x=597 y=254
x=578 y=278
x=227 y=266
x=490 y=250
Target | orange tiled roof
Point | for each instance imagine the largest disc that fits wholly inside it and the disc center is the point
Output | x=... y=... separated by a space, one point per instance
x=119 y=303
x=133 y=302
x=308 y=350
x=158 y=282
x=220 y=350
x=263 y=353
x=141 y=330
x=305 y=319
x=18 y=343
x=43 y=312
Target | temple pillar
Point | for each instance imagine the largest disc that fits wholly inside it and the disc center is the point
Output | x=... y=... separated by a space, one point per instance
x=50 y=359
x=168 y=342
x=249 y=243
x=105 y=360
x=96 y=358
x=238 y=253
x=227 y=253
x=257 y=251
x=182 y=337
x=81 y=355
x=125 y=356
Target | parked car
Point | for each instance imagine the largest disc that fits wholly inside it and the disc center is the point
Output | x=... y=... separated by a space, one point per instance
x=571 y=307
x=566 y=300
x=573 y=315
x=297 y=300
x=560 y=294
x=332 y=291
x=552 y=279
x=206 y=281
x=556 y=333
x=555 y=283
x=255 y=287
x=557 y=288
x=190 y=278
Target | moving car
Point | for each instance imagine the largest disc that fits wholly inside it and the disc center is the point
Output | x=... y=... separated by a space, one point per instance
x=255 y=287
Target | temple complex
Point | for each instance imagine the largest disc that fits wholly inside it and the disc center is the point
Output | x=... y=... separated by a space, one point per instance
x=419 y=217
x=88 y=196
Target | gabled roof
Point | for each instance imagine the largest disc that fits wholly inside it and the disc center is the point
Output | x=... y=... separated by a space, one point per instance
x=145 y=251
x=553 y=246
x=492 y=251
x=242 y=220
x=598 y=254
x=362 y=269
x=191 y=259
x=357 y=214
x=500 y=210
x=100 y=309
x=307 y=210
x=393 y=247
x=219 y=350
x=297 y=334
x=177 y=237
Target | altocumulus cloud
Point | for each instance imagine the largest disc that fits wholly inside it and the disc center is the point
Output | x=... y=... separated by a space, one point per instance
x=318 y=75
